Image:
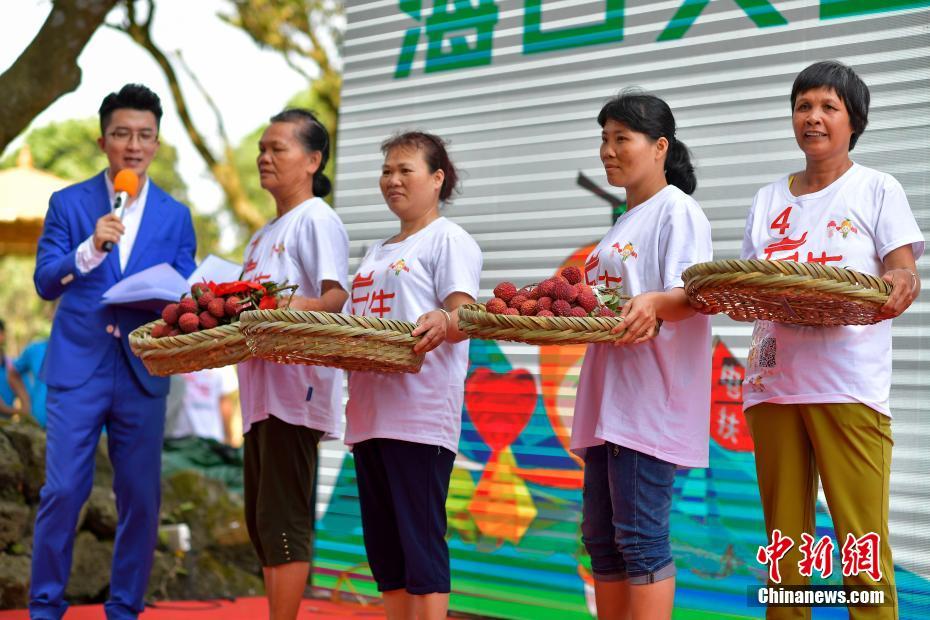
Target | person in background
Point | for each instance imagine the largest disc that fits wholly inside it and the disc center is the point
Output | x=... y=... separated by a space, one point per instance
x=816 y=398
x=25 y=380
x=288 y=409
x=404 y=428
x=7 y=393
x=643 y=404
x=205 y=406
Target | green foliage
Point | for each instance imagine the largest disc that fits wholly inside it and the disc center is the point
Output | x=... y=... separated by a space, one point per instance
x=27 y=316
x=69 y=149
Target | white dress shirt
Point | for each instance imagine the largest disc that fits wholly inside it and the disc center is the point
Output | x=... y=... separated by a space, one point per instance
x=88 y=257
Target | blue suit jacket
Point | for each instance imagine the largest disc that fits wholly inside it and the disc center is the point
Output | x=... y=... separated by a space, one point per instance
x=80 y=337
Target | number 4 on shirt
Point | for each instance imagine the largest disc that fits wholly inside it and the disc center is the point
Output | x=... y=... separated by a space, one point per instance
x=780 y=223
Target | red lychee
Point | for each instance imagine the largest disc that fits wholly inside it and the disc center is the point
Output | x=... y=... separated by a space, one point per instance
x=544 y=303
x=231 y=306
x=565 y=291
x=587 y=301
x=572 y=274
x=544 y=313
x=170 y=314
x=205 y=298
x=581 y=287
x=187 y=306
x=496 y=306
x=560 y=307
x=217 y=307
x=528 y=307
x=207 y=320
x=199 y=288
x=505 y=290
x=189 y=322
x=516 y=301
x=159 y=330
x=579 y=312
x=605 y=311
x=511 y=311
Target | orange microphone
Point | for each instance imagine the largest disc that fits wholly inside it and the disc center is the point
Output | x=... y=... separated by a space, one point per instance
x=126 y=185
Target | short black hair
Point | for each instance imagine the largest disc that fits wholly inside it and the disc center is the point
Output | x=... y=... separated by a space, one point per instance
x=134 y=97
x=848 y=86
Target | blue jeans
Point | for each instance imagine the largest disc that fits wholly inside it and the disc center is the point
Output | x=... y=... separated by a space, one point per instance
x=625 y=522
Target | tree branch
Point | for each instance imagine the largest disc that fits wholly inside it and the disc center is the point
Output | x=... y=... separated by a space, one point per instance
x=224 y=171
x=47 y=68
x=221 y=127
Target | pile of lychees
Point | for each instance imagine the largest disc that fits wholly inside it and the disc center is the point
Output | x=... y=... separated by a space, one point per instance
x=562 y=295
x=211 y=305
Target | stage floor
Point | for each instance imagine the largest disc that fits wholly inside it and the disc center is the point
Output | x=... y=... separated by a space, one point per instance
x=241 y=609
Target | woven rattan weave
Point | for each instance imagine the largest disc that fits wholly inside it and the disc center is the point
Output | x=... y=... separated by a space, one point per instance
x=331 y=339
x=171 y=355
x=476 y=322
x=787 y=292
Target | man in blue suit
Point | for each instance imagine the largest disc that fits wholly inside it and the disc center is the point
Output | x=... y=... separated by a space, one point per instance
x=93 y=378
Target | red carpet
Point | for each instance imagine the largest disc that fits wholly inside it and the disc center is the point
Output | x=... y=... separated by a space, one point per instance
x=240 y=609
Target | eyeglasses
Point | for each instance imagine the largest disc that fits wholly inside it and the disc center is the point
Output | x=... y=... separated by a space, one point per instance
x=124 y=136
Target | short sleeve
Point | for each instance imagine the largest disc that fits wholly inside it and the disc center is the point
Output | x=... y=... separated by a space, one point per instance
x=458 y=265
x=895 y=226
x=324 y=249
x=749 y=247
x=684 y=241
x=22 y=363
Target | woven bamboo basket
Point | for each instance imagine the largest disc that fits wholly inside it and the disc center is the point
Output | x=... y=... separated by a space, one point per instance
x=478 y=323
x=343 y=341
x=171 y=355
x=787 y=292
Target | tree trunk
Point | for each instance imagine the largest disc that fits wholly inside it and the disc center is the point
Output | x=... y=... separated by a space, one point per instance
x=47 y=68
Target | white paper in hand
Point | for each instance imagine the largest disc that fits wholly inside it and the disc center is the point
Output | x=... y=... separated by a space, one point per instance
x=216 y=269
x=155 y=287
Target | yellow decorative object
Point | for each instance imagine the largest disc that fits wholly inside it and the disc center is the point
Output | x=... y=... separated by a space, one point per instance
x=24 y=194
x=502 y=506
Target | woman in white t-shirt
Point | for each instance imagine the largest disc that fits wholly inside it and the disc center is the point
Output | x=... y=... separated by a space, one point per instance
x=817 y=398
x=404 y=428
x=643 y=407
x=287 y=409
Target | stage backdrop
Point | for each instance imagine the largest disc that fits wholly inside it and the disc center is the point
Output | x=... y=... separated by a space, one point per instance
x=516 y=85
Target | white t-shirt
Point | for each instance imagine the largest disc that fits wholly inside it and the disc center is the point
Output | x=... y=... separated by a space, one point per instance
x=854 y=222
x=652 y=397
x=200 y=413
x=305 y=246
x=404 y=281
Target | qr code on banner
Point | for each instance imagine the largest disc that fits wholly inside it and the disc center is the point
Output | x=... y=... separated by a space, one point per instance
x=766 y=353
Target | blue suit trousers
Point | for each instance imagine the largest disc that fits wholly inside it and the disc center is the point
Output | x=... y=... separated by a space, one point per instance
x=135 y=421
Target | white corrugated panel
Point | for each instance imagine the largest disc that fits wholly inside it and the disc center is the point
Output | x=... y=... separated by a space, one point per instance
x=522 y=127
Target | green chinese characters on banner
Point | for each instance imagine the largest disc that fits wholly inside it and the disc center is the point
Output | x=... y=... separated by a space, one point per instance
x=460 y=33
x=535 y=39
x=448 y=24
x=830 y=9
